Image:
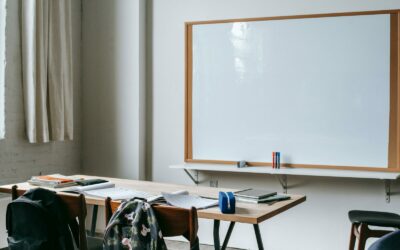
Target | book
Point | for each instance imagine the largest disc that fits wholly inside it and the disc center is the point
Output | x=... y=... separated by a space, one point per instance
x=54 y=181
x=255 y=194
x=277 y=197
x=89 y=182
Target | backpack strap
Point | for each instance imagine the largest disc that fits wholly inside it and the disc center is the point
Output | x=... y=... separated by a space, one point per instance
x=73 y=226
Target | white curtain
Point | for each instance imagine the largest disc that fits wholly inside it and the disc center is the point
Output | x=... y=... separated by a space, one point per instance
x=47 y=69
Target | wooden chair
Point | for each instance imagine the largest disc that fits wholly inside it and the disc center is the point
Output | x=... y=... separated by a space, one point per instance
x=362 y=219
x=173 y=221
x=76 y=206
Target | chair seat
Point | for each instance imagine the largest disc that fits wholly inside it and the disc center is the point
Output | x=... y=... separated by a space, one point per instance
x=374 y=218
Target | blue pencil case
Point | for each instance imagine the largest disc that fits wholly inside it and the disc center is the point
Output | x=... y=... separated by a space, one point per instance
x=227 y=202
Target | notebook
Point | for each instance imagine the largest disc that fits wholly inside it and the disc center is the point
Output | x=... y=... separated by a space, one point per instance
x=254 y=193
x=278 y=197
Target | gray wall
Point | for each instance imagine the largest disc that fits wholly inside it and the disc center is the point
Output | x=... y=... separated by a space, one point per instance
x=19 y=160
x=113 y=52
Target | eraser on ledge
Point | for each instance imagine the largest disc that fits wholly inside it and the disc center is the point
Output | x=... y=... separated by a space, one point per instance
x=241 y=164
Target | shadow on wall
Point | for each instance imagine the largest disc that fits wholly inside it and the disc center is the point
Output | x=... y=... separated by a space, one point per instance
x=149 y=91
x=113 y=79
x=100 y=69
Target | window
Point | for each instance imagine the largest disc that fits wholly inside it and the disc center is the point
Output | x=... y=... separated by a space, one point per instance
x=2 y=64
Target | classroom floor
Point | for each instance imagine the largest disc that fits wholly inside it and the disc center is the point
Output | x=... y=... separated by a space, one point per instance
x=179 y=245
x=96 y=244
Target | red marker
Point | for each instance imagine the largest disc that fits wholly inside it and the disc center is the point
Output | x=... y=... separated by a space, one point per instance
x=273 y=160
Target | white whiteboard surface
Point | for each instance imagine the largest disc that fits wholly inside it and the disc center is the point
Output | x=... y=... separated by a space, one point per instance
x=317 y=90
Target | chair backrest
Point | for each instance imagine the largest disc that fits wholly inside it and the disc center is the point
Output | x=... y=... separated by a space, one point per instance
x=173 y=221
x=76 y=207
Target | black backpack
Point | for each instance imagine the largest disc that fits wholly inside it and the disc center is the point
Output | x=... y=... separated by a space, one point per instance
x=38 y=220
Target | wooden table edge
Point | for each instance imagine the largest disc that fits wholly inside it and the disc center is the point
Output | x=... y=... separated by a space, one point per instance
x=202 y=214
x=282 y=209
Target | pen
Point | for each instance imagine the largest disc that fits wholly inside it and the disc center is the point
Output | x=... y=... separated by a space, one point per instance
x=247 y=189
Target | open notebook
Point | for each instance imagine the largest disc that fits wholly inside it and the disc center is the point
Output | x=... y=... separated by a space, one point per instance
x=184 y=200
x=121 y=193
x=117 y=193
x=178 y=199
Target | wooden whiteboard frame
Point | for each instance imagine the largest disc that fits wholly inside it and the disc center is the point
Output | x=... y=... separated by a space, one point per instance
x=394 y=115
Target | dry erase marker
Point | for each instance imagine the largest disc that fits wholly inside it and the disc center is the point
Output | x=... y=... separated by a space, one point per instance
x=278 y=161
x=273 y=159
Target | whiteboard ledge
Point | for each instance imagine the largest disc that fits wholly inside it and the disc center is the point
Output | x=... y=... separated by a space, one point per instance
x=290 y=171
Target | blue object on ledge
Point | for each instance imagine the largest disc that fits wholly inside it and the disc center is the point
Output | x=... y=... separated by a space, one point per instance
x=227 y=202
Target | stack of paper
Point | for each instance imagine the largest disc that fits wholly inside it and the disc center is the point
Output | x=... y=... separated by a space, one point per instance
x=117 y=193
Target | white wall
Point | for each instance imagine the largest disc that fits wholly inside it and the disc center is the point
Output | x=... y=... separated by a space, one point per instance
x=19 y=160
x=318 y=224
x=114 y=125
x=113 y=87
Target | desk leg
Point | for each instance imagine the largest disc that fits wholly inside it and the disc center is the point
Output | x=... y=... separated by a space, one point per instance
x=94 y=220
x=216 y=235
x=258 y=236
x=228 y=235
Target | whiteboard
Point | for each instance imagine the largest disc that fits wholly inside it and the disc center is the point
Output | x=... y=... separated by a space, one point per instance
x=314 y=89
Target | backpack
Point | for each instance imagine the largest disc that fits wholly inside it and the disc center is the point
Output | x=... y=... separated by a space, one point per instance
x=38 y=220
x=133 y=226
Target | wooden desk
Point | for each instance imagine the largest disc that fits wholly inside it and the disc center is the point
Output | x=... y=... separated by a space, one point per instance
x=245 y=212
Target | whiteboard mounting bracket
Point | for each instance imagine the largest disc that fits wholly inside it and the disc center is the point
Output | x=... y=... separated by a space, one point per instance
x=387 y=190
x=283 y=181
x=195 y=179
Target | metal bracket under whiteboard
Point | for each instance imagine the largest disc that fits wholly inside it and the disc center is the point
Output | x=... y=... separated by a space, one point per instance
x=195 y=178
x=283 y=181
x=387 y=190
x=281 y=178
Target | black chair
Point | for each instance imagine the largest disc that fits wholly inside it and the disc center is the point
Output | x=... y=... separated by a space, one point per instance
x=362 y=219
x=388 y=242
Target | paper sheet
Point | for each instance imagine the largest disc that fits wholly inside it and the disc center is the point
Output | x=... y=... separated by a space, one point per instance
x=117 y=193
x=81 y=189
x=161 y=199
x=187 y=201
